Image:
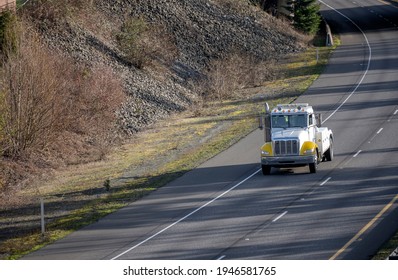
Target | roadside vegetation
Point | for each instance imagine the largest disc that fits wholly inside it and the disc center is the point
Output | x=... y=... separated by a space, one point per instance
x=52 y=111
x=58 y=110
x=62 y=129
x=160 y=154
x=145 y=44
x=306 y=15
x=387 y=248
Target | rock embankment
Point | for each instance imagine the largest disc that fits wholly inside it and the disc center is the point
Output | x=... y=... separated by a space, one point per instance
x=202 y=30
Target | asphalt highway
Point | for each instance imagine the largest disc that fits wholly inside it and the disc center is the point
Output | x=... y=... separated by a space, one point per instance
x=226 y=208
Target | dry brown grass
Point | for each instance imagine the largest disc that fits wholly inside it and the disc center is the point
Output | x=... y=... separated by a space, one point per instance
x=236 y=71
x=55 y=11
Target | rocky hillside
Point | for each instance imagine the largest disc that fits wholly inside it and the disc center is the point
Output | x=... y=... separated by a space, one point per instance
x=198 y=31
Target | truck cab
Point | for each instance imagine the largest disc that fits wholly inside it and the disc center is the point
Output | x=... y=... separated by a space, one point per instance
x=294 y=137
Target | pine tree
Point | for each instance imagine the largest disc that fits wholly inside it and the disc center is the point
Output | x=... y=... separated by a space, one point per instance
x=306 y=15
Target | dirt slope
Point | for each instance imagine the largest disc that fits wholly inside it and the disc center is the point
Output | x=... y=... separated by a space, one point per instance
x=201 y=31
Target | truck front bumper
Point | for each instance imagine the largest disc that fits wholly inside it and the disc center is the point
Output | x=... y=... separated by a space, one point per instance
x=287 y=161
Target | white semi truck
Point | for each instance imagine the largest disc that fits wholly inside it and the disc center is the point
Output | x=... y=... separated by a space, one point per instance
x=294 y=137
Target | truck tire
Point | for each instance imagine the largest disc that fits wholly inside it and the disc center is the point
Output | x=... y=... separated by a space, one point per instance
x=329 y=153
x=266 y=169
x=314 y=166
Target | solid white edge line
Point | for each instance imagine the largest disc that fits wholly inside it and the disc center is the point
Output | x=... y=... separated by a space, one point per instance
x=186 y=216
x=367 y=68
x=280 y=216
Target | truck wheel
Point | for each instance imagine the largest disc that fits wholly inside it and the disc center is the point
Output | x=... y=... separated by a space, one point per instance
x=314 y=166
x=329 y=153
x=266 y=169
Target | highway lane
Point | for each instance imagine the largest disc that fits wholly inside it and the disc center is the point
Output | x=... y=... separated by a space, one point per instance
x=226 y=209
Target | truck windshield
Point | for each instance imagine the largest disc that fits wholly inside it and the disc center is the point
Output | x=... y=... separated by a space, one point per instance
x=286 y=121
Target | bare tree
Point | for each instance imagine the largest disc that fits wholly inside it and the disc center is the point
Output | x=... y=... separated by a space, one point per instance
x=42 y=95
x=32 y=105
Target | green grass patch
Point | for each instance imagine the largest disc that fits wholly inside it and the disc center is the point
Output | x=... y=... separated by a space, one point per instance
x=387 y=248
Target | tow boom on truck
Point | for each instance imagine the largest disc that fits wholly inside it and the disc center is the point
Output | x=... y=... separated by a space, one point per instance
x=294 y=137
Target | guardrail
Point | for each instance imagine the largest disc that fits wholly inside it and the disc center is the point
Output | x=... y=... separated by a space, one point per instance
x=329 y=36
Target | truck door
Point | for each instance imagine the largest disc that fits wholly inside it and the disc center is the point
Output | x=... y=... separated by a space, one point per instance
x=312 y=128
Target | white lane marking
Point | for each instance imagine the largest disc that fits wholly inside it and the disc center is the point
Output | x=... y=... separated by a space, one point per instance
x=394 y=114
x=378 y=132
x=357 y=154
x=324 y=182
x=321 y=184
x=368 y=64
x=220 y=258
x=186 y=216
x=280 y=216
x=349 y=160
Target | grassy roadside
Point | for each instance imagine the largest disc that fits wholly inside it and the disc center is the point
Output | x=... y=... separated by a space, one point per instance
x=387 y=248
x=81 y=195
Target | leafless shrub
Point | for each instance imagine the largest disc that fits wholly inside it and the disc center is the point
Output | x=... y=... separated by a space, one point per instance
x=54 y=11
x=49 y=106
x=235 y=5
x=32 y=106
x=144 y=44
x=236 y=71
x=162 y=46
x=97 y=95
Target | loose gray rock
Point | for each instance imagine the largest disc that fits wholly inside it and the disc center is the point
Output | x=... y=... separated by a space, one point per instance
x=203 y=31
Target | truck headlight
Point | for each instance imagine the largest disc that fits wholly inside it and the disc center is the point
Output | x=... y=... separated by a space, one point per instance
x=264 y=153
x=309 y=152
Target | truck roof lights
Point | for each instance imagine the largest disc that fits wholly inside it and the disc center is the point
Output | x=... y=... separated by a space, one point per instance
x=292 y=108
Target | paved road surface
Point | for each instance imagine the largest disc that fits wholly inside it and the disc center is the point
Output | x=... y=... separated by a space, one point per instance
x=226 y=209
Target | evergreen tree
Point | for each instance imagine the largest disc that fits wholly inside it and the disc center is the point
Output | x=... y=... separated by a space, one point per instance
x=8 y=36
x=306 y=15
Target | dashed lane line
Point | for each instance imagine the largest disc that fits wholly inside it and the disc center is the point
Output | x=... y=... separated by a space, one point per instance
x=185 y=217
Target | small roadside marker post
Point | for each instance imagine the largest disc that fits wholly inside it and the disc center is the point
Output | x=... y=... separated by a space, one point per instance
x=42 y=216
